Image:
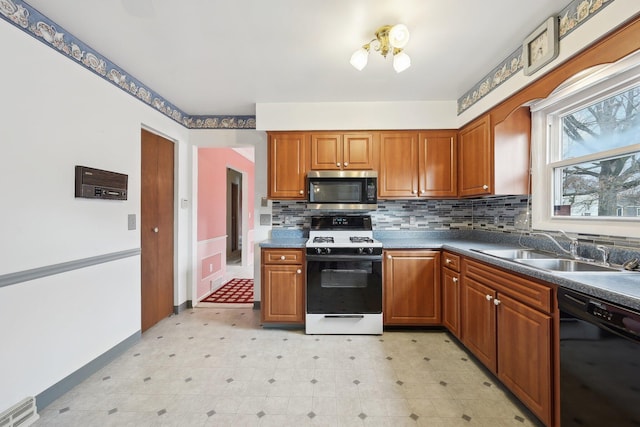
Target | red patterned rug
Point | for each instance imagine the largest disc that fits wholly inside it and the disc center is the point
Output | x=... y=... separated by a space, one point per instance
x=235 y=291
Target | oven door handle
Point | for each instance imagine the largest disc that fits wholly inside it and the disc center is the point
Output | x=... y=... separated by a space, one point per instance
x=327 y=258
x=344 y=316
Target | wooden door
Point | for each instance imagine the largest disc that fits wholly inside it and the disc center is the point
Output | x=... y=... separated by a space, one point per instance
x=357 y=151
x=475 y=159
x=438 y=164
x=451 y=301
x=282 y=294
x=156 y=229
x=287 y=165
x=398 y=177
x=412 y=287
x=326 y=151
x=524 y=354
x=479 y=321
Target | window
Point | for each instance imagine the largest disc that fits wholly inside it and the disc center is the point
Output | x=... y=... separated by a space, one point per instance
x=586 y=142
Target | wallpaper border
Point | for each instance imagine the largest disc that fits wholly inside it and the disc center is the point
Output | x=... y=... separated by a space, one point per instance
x=571 y=17
x=32 y=22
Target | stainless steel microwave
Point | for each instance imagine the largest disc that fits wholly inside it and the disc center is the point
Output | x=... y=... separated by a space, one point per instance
x=341 y=190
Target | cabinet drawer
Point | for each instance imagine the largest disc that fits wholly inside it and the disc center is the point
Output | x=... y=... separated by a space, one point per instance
x=282 y=256
x=451 y=261
x=534 y=294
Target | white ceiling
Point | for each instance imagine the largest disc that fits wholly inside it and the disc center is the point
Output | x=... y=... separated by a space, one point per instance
x=212 y=57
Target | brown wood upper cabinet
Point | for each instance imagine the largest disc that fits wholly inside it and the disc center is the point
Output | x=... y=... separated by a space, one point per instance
x=288 y=162
x=493 y=158
x=416 y=164
x=338 y=151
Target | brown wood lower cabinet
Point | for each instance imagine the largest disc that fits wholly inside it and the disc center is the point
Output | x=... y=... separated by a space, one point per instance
x=282 y=286
x=411 y=287
x=507 y=324
x=451 y=292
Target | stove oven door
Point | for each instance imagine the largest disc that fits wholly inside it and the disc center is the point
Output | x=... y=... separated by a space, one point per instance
x=344 y=284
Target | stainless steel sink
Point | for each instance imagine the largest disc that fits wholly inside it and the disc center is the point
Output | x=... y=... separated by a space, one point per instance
x=518 y=253
x=565 y=265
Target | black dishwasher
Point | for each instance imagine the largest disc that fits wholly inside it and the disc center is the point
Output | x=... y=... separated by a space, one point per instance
x=599 y=362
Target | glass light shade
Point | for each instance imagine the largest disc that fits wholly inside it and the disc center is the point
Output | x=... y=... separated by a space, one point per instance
x=401 y=62
x=359 y=59
x=399 y=36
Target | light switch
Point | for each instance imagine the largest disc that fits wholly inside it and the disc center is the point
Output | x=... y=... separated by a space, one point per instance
x=131 y=221
x=265 y=219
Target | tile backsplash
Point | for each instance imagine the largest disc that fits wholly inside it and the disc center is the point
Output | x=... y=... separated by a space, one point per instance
x=493 y=214
x=502 y=214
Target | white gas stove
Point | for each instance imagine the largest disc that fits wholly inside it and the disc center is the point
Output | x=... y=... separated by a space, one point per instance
x=344 y=277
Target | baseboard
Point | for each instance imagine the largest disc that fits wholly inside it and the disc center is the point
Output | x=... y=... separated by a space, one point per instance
x=45 y=398
x=177 y=309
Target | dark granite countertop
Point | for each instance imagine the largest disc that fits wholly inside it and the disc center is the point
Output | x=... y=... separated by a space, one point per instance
x=617 y=287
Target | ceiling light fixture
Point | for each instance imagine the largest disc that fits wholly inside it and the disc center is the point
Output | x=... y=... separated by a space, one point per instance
x=388 y=38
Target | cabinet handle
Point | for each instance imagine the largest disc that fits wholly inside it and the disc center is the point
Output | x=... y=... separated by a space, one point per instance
x=422 y=192
x=298 y=271
x=338 y=164
x=485 y=187
x=346 y=164
x=496 y=301
x=489 y=297
x=455 y=280
x=415 y=191
x=155 y=229
x=282 y=257
x=447 y=261
x=388 y=256
x=301 y=191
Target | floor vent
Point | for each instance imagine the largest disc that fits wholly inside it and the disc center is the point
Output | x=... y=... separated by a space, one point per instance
x=22 y=414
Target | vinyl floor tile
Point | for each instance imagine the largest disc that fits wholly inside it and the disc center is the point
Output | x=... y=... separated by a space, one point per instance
x=220 y=367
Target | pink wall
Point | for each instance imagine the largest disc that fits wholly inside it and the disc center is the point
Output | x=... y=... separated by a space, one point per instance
x=212 y=190
x=212 y=211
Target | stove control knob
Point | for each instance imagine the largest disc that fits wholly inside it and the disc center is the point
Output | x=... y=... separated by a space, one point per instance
x=360 y=250
x=327 y=251
x=370 y=250
x=318 y=250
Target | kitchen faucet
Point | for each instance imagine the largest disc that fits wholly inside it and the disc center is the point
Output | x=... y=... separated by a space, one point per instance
x=573 y=245
x=605 y=254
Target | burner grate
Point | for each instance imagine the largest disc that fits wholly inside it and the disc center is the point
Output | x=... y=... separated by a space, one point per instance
x=360 y=239
x=323 y=239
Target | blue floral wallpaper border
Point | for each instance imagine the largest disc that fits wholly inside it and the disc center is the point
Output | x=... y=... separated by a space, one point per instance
x=48 y=32
x=571 y=17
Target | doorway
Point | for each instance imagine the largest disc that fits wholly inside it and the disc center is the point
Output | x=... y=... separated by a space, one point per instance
x=156 y=228
x=234 y=217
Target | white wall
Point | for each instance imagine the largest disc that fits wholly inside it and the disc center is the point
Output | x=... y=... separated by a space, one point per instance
x=55 y=115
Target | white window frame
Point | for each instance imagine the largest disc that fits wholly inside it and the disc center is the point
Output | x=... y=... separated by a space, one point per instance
x=586 y=87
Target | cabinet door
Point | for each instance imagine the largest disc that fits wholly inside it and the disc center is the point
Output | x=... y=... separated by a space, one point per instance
x=412 y=288
x=451 y=301
x=357 y=151
x=475 y=159
x=438 y=164
x=479 y=321
x=282 y=294
x=326 y=151
x=524 y=354
x=398 y=177
x=287 y=165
